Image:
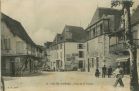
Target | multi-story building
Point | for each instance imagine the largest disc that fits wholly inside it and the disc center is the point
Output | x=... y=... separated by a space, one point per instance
x=104 y=21
x=67 y=52
x=20 y=55
x=48 y=64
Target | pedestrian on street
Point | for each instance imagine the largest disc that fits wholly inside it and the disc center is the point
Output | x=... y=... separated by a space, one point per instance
x=109 y=72
x=104 y=71
x=119 y=75
x=97 y=72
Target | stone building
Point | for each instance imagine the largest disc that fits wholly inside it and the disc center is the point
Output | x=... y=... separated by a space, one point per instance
x=48 y=64
x=104 y=21
x=67 y=51
x=20 y=55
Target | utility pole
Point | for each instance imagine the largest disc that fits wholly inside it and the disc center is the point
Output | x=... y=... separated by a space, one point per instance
x=126 y=5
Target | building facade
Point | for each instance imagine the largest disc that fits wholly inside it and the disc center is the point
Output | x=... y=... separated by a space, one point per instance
x=20 y=55
x=104 y=21
x=67 y=51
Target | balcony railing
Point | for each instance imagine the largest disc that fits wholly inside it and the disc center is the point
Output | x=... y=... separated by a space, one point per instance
x=122 y=47
x=20 y=52
x=117 y=47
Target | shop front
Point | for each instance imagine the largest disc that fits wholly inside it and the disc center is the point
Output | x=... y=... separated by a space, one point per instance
x=125 y=63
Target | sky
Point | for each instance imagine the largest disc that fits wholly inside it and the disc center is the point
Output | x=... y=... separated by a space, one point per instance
x=43 y=19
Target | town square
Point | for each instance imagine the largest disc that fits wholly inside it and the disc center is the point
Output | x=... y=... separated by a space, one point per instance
x=70 y=45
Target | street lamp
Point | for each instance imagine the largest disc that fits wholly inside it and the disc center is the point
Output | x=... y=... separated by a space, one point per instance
x=126 y=4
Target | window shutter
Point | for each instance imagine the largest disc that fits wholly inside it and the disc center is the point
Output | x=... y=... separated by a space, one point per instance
x=2 y=44
x=8 y=43
x=5 y=43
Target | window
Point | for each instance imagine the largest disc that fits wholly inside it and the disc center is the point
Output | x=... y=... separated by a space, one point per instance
x=2 y=44
x=61 y=63
x=61 y=38
x=60 y=46
x=57 y=55
x=89 y=33
x=68 y=35
x=81 y=54
x=68 y=55
x=94 y=32
x=61 y=55
x=68 y=59
x=6 y=44
x=80 y=46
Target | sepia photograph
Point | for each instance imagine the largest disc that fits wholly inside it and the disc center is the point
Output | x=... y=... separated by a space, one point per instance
x=69 y=45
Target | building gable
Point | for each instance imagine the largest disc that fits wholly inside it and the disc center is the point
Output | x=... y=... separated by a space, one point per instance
x=113 y=14
x=16 y=28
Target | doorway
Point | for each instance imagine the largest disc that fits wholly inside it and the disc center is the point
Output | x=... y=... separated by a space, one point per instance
x=80 y=64
x=12 y=67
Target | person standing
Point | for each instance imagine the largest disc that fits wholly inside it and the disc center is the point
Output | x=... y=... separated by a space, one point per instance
x=109 y=72
x=119 y=76
x=104 y=70
x=97 y=72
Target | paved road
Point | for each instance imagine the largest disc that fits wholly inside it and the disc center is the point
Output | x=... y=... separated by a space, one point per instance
x=63 y=81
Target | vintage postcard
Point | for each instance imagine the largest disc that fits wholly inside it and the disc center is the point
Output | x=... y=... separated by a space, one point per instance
x=69 y=45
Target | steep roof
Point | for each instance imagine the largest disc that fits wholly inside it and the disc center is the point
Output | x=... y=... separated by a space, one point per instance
x=78 y=33
x=57 y=37
x=40 y=47
x=16 y=28
x=135 y=16
x=100 y=11
x=48 y=44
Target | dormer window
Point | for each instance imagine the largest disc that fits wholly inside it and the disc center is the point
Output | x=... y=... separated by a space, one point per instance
x=80 y=46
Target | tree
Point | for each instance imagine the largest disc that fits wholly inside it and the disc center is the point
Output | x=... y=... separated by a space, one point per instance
x=126 y=4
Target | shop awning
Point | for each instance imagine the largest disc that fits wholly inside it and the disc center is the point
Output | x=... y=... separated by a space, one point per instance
x=122 y=59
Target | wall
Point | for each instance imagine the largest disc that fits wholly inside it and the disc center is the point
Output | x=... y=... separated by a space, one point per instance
x=12 y=59
x=98 y=49
x=72 y=55
x=14 y=47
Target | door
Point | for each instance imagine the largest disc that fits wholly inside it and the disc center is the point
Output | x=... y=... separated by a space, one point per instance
x=80 y=64
x=57 y=64
x=3 y=66
x=88 y=66
x=12 y=66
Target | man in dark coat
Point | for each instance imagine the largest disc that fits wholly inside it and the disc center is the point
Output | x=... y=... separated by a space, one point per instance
x=97 y=72
x=104 y=71
x=109 y=72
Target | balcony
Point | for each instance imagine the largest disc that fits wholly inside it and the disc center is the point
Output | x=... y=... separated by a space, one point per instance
x=11 y=52
x=121 y=47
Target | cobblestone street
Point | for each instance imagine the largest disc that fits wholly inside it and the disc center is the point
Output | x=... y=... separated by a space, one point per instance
x=69 y=81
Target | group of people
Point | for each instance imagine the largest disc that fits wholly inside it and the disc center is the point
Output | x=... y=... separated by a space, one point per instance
x=119 y=74
x=105 y=71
